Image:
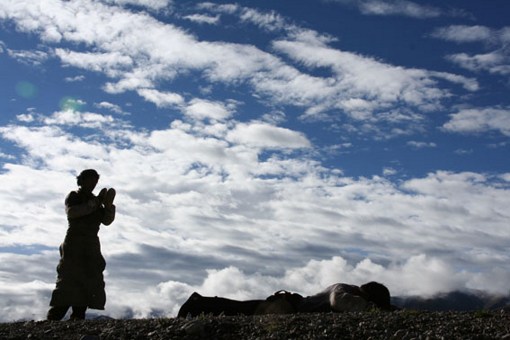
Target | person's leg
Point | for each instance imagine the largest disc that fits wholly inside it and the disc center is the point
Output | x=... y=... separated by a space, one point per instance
x=57 y=312
x=78 y=313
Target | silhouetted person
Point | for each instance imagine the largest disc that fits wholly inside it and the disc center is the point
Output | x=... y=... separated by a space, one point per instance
x=80 y=283
x=342 y=297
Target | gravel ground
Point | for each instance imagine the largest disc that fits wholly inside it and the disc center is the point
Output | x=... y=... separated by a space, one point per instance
x=367 y=325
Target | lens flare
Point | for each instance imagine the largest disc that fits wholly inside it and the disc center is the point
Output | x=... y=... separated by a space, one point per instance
x=71 y=104
x=26 y=89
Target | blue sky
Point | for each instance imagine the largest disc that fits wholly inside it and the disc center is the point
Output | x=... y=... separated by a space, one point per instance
x=257 y=145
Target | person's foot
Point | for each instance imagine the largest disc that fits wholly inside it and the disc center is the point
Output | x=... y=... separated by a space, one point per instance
x=78 y=313
x=56 y=313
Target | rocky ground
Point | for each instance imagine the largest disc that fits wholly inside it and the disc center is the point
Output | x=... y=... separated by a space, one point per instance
x=368 y=325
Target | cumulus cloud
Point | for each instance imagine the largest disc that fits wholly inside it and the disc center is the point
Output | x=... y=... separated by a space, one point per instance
x=479 y=120
x=265 y=223
x=200 y=109
x=161 y=99
x=84 y=119
x=267 y=136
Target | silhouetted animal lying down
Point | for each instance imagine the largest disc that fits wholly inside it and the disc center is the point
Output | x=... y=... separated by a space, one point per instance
x=275 y=304
x=339 y=297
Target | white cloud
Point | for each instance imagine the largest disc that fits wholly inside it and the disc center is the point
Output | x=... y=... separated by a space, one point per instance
x=463 y=152
x=478 y=120
x=219 y=8
x=470 y=84
x=389 y=171
x=74 y=79
x=26 y=117
x=397 y=7
x=34 y=58
x=137 y=52
x=463 y=34
x=197 y=211
x=267 y=136
x=110 y=106
x=51 y=143
x=414 y=276
x=111 y=63
x=6 y=156
x=161 y=99
x=83 y=119
x=496 y=61
x=420 y=145
x=203 y=19
x=200 y=109
x=270 y=21
x=362 y=86
x=151 y=4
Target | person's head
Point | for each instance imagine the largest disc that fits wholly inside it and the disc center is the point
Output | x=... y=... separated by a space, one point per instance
x=87 y=179
x=378 y=294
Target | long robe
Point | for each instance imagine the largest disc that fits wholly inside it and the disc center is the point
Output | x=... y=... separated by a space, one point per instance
x=80 y=269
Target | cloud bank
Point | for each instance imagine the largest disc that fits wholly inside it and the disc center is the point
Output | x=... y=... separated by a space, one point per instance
x=201 y=209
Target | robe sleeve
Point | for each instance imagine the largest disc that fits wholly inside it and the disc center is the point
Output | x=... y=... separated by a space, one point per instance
x=75 y=208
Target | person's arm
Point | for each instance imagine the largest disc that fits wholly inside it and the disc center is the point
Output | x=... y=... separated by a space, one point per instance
x=76 y=209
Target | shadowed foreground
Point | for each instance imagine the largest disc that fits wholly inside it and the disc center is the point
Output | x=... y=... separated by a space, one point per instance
x=363 y=325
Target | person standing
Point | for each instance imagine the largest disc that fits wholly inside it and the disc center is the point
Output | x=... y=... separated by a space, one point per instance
x=80 y=282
